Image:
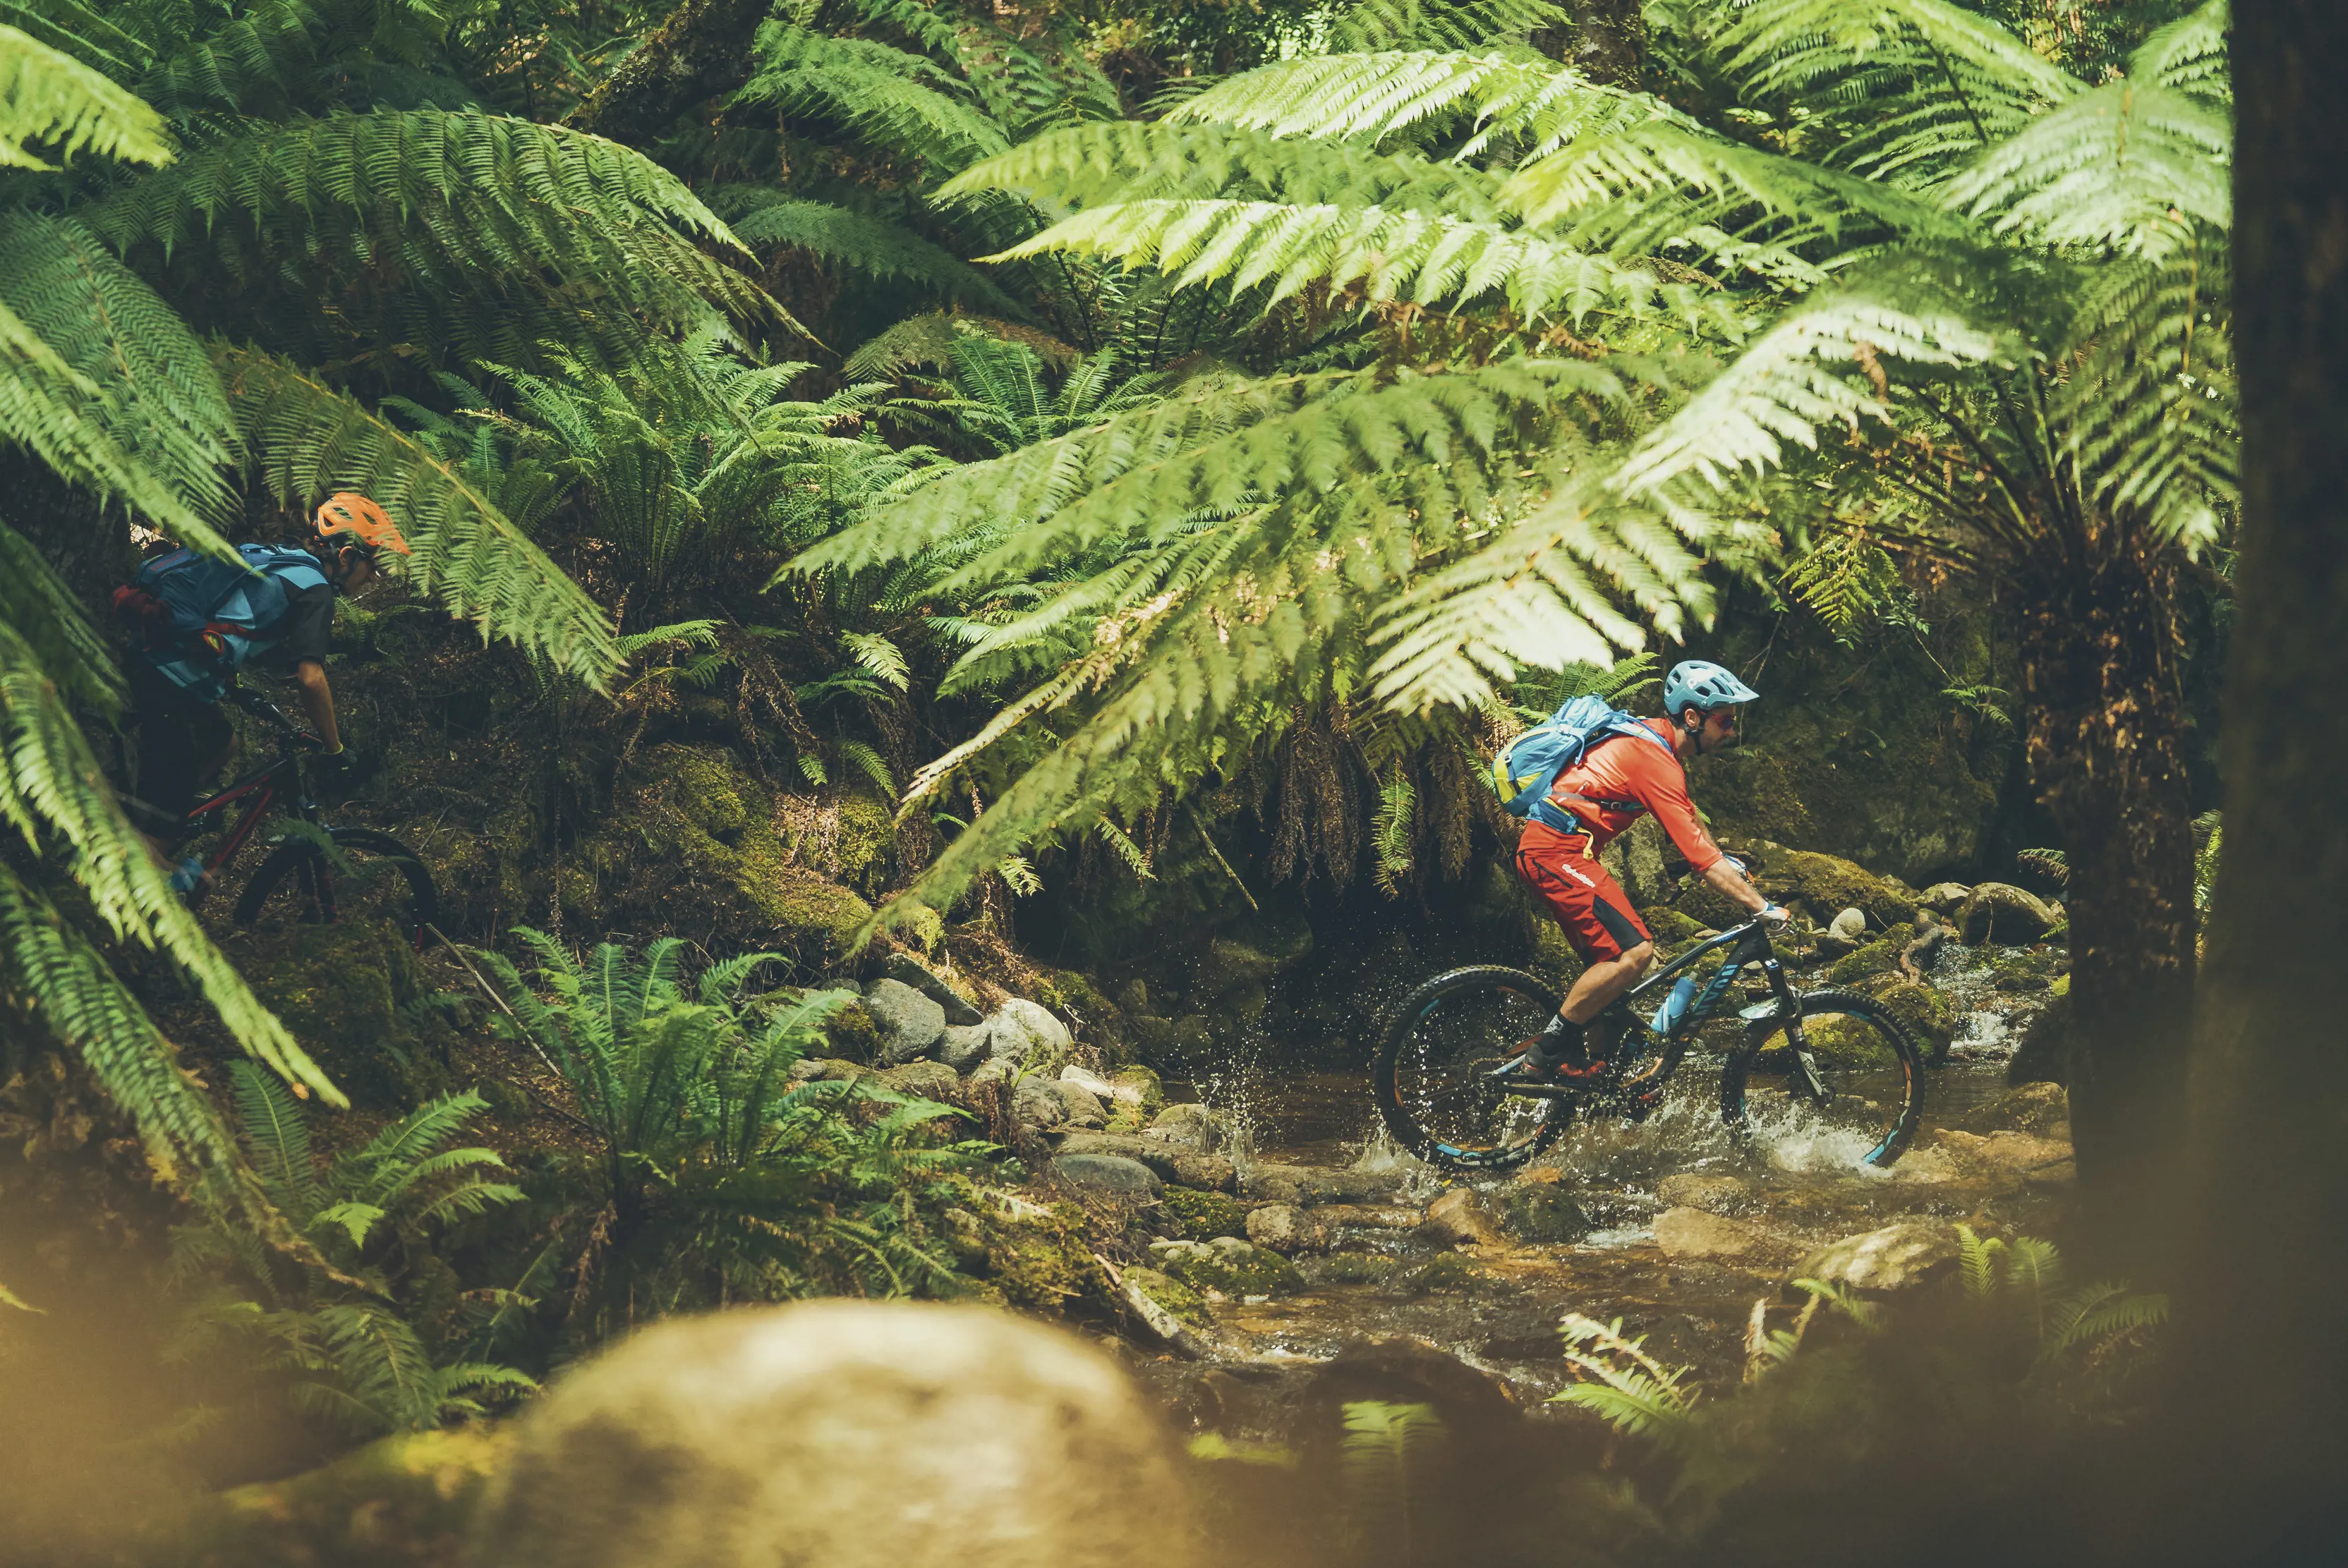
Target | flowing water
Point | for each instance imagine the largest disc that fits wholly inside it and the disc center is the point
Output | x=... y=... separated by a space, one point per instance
x=1495 y=1307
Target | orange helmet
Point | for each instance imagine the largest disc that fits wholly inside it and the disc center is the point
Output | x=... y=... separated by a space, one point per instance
x=350 y=517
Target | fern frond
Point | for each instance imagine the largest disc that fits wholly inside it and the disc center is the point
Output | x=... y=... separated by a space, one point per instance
x=279 y=1138
x=57 y=636
x=312 y=440
x=873 y=246
x=149 y=385
x=896 y=100
x=49 y=99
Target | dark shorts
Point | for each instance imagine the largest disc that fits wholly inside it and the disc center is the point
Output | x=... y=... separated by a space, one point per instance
x=1584 y=896
x=179 y=737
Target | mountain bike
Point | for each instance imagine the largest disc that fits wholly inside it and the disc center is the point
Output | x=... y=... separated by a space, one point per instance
x=316 y=872
x=1840 y=1053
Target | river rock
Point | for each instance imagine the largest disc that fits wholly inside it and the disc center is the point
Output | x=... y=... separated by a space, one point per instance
x=1370 y=1217
x=1193 y=1126
x=1078 y=1105
x=1269 y=1182
x=1945 y=897
x=1461 y=1217
x=909 y=1022
x=923 y=1080
x=1020 y=1028
x=1183 y=1167
x=1544 y=1212
x=1190 y=1214
x=910 y=970
x=1288 y=1230
x=1713 y=1195
x=1107 y=1175
x=2044 y=1054
x=1230 y=1266
x=841 y=1434
x=2001 y=912
x=1035 y=1104
x=1899 y=1257
x=2043 y=1108
x=1693 y=1234
x=964 y=1047
x=1846 y=933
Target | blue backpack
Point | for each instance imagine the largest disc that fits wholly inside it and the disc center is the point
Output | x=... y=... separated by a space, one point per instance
x=200 y=618
x=1526 y=769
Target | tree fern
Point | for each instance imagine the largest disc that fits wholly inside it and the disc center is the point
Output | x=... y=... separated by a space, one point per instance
x=872 y=246
x=899 y=101
x=49 y=99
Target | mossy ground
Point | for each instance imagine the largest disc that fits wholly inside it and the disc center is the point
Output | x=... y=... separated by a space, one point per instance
x=1256 y=1272
x=1192 y=1215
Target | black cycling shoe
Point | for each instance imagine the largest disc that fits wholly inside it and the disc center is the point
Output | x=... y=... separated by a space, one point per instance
x=1522 y=1068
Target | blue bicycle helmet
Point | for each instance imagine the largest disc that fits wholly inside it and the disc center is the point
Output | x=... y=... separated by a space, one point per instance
x=1705 y=686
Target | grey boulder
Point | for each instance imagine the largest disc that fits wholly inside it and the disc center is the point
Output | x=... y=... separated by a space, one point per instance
x=910 y=1023
x=910 y=970
x=1108 y=1175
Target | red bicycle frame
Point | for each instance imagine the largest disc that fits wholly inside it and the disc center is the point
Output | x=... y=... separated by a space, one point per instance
x=259 y=790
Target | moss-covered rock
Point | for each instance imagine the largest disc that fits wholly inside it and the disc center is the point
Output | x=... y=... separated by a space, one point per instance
x=1544 y=1212
x=1669 y=926
x=694 y=843
x=1825 y=883
x=1038 y=1255
x=1880 y=957
x=403 y=1500
x=351 y=993
x=1355 y=1268
x=1445 y=1271
x=1186 y=1304
x=2043 y=1055
x=1192 y=1215
x=1231 y=1266
x=2001 y=912
x=1928 y=1014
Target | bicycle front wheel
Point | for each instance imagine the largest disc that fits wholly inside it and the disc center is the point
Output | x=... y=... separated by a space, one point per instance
x=360 y=875
x=1856 y=1101
x=1432 y=1075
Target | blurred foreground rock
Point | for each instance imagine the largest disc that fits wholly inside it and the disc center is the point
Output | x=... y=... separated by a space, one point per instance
x=838 y=1434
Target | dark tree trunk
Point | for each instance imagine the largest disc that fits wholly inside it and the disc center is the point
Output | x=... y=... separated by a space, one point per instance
x=1607 y=43
x=2269 y=1279
x=702 y=51
x=2101 y=658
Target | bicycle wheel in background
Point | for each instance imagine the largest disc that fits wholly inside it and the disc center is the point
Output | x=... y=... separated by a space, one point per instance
x=1430 y=1076
x=366 y=875
x=1869 y=1094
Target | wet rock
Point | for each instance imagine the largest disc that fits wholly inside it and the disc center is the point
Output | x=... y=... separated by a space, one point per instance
x=1693 y=1234
x=1185 y=1305
x=1928 y=1015
x=2009 y=1153
x=1316 y=1184
x=1445 y=1271
x=1193 y=1216
x=1370 y=1217
x=1185 y=1167
x=1193 y=1126
x=964 y=1047
x=2044 y=1109
x=1107 y=1175
x=910 y=1023
x=1288 y=1230
x=1899 y=1257
x=1945 y=897
x=2001 y=912
x=838 y=1434
x=1230 y=1266
x=1545 y=1213
x=910 y=970
x=398 y=1501
x=1461 y=1217
x=1403 y=1371
x=1713 y=1195
x=923 y=1080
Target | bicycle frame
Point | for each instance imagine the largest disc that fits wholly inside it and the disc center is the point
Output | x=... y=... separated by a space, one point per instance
x=1744 y=945
x=260 y=789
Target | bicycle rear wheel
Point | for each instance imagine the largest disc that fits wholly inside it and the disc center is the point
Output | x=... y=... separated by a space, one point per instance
x=366 y=875
x=1431 y=1079
x=1858 y=1100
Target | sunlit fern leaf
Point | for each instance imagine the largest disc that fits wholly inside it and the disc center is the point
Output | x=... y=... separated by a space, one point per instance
x=929 y=341
x=895 y=100
x=1393 y=832
x=273 y=1129
x=2098 y=1312
x=1136 y=858
x=868 y=762
x=311 y=440
x=151 y=386
x=52 y=792
x=52 y=101
x=873 y=246
x=1623 y=1383
x=1439 y=24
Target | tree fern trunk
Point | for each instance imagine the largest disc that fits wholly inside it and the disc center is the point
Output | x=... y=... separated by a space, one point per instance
x=2101 y=657
x=2270 y=1064
x=701 y=51
x=1607 y=43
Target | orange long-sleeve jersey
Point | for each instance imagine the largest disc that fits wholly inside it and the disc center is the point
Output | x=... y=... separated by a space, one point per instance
x=1618 y=780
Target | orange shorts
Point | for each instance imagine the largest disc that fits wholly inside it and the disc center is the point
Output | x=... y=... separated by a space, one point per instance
x=1584 y=896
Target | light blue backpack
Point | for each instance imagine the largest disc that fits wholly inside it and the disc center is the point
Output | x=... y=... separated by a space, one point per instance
x=1526 y=769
